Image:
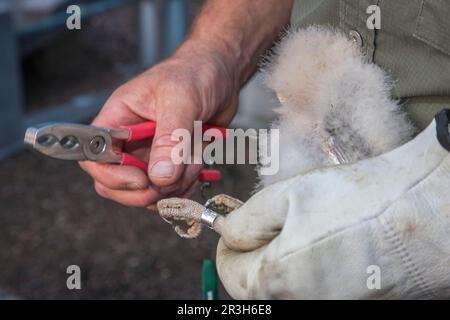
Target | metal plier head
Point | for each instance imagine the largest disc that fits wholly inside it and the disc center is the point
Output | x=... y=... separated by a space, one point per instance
x=69 y=141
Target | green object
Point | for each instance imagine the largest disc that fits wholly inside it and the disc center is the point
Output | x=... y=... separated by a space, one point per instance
x=210 y=281
x=412 y=45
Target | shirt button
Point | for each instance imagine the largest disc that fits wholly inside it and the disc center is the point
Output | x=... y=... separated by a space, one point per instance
x=356 y=37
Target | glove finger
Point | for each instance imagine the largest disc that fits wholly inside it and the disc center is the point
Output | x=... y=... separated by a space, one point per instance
x=259 y=220
x=238 y=271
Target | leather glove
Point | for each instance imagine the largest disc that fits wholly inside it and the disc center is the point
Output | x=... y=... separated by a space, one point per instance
x=316 y=236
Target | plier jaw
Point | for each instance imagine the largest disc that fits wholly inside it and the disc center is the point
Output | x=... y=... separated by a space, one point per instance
x=69 y=141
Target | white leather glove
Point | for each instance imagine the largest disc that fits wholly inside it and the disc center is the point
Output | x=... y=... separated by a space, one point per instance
x=315 y=236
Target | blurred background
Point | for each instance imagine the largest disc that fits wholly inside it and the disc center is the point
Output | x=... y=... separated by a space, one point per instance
x=50 y=215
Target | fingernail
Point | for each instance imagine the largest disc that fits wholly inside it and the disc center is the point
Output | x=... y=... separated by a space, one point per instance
x=162 y=169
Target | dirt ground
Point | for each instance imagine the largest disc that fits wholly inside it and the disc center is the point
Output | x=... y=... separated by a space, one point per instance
x=51 y=218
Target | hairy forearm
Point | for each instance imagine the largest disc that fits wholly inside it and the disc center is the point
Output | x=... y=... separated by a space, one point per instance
x=239 y=31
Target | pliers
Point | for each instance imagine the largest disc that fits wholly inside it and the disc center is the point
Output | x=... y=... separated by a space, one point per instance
x=69 y=141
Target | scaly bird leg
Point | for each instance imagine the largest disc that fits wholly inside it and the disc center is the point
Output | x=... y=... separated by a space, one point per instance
x=174 y=210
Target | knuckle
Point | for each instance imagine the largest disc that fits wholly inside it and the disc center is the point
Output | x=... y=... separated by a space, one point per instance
x=164 y=140
x=101 y=190
x=83 y=166
x=87 y=166
x=121 y=90
x=94 y=169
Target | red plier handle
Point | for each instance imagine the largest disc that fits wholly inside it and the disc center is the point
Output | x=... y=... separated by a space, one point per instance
x=147 y=130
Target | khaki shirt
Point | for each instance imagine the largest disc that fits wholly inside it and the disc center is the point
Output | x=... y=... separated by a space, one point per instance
x=412 y=45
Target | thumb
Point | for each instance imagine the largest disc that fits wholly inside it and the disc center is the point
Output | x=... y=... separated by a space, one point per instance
x=162 y=170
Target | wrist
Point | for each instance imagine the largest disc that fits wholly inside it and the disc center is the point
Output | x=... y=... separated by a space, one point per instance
x=216 y=55
x=215 y=72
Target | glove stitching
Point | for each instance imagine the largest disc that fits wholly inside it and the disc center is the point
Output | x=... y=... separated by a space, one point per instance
x=400 y=247
x=405 y=257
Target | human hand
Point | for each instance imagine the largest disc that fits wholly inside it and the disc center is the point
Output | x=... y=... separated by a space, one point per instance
x=194 y=84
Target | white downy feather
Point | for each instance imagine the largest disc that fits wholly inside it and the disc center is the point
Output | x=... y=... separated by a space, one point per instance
x=329 y=95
